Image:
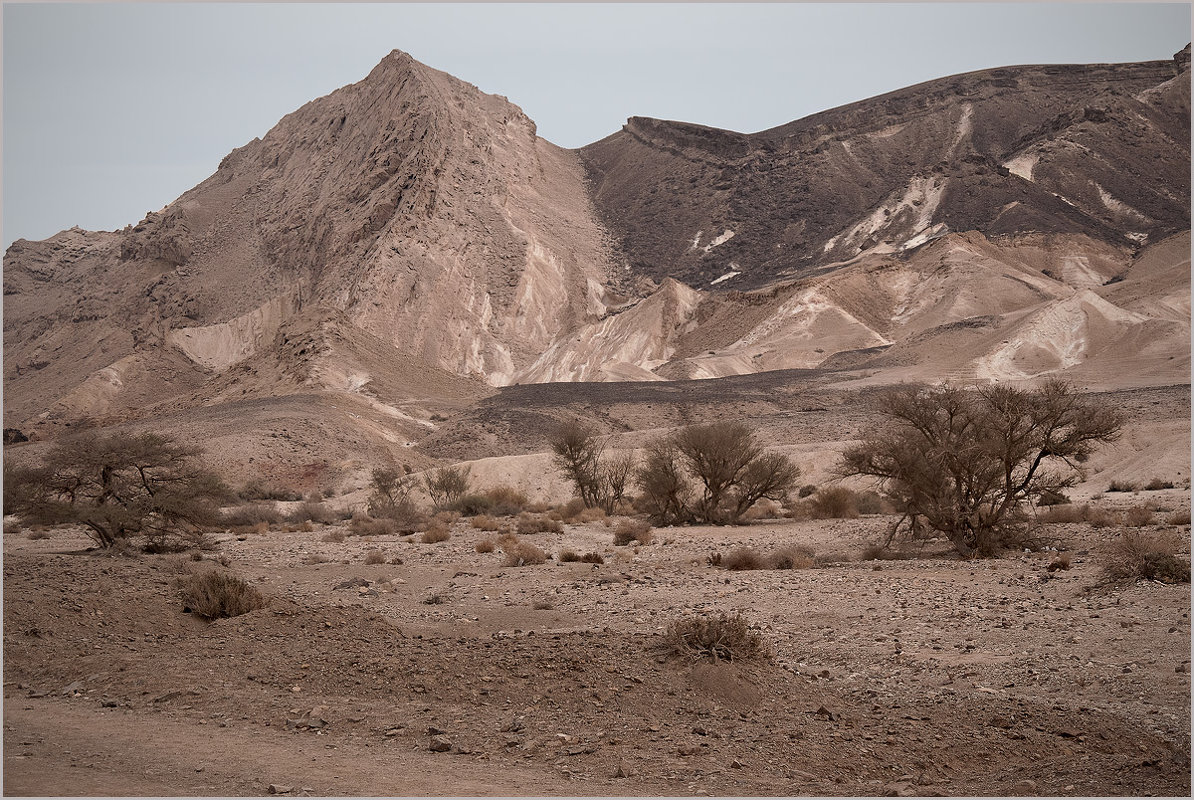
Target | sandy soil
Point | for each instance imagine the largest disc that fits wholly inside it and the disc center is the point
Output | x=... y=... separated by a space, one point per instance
x=924 y=676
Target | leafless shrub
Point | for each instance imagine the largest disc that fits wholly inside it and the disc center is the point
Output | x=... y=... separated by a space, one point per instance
x=968 y=462
x=742 y=558
x=1071 y=514
x=213 y=595
x=567 y=556
x=335 y=536
x=1137 y=517
x=1151 y=555
x=390 y=498
x=571 y=510
x=833 y=502
x=763 y=509
x=436 y=532
x=317 y=558
x=258 y=490
x=447 y=485
x=590 y=515
x=592 y=558
x=806 y=490
x=724 y=637
x=1123 y=486
x=520 y=553
x=245 y=516
x=485 y=522
x=312 y=512
x=537 y=523
x=36 y=534
x=506 y=501
x=1156 y=484
x=375 y=557
x=599 y=480
x=362 y=525
x=1102 y=518
x=791 y=557
x=1179 y=518
x=485 y=546
x=632 y=530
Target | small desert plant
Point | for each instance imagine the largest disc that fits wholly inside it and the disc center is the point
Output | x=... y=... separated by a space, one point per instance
x=447 y=485
x=1070 y=513
x=436 y=532
x=543 y=605
x=246 y=516
x=391 y=498
x=741 y=558
x=506 y=501
x=317 y=558
x=806 y=490
x=869 y=502
x=763 y=509
x=35 y=534
x=537 y=523
x=375 y=557
x=567 y=556
x=725 y=637
x=1052 y=497
x=258 y=490
x=1179 y=518
x=213 y=595
x=361 y=525
x=592 y=558
x=335 y=536
x=485 y=546
x=1102 y=518
x=834 y=502
x=632 y=530
x=485 y=522
x=791 y=557
x=570 y=510
x=1123 y=486
x=520 y=553
x=1137 y=517
x=872 y=552
x=595 y=514
x=1156 y=484
x=1137 y=554
x=312 y=512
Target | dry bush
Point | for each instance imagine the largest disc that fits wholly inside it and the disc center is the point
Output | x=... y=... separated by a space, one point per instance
x=567 y=556
x=598 y=479
x=1102 y=518
x=833 y=502
x=1060 y=561
x=312 y=512
x=870 y=502
x=632 y=530
x=1050 y=497
x=1157 y=484
x=317 y=558
x=436 y=532
x=446 y=485
x=1151 y=555
x=485 y=546
x=36 y=534
x=806 y=490
x=741 y=558
x=592 y=558
x=213 y=595
x=506 y=501
x=248 y=515
x=368 y=526
x=1138 y=517
x=1065 y=514
x=793 y=556
x=725 y=637
x=1123 y=486
x=571 y=510
x=835 y=557
x=446 y=517
x=520 y=553
x=538 y=523
x=485 y=522
x=375 y=557
x=763 y=509
x=872 y=552
x=1179 y=518
x=335 y=536
x=590 y=515
x=258 y=490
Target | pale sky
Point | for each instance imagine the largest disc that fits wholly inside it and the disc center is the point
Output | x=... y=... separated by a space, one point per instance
x=113 y=110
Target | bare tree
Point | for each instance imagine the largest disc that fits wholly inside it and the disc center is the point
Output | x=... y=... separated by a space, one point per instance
x=967 y=462
x=600 y=480
x=118 y=486
x=390 y=497
x=730 y=466
x=447 y=485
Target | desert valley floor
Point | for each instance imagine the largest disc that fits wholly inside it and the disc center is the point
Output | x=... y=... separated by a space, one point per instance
x=917 y=676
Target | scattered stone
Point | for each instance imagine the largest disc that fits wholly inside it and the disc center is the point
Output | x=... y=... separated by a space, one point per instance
x=354 y=583
x=440 y=744
x=623 y=770
x=307 y=721
x=74 y=689
x=434 y=731
x=1000 y=722
x=736 y=764
x=275 y=788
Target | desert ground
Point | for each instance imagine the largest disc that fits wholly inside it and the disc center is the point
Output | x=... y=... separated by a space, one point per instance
x=443 y=672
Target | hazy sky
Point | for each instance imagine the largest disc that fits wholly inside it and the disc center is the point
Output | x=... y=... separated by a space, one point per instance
x=113 y=110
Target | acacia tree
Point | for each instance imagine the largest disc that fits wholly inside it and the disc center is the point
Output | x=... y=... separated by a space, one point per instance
x=725 y=460
x=967 y=462
x=118 y=486
x=600 y=480
x=447 y=485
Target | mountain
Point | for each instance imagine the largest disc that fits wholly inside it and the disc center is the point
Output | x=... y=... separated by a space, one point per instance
x=391 y=253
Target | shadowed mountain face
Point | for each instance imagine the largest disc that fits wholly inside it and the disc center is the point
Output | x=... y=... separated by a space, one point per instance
x=1101 y=151
x=388 y=253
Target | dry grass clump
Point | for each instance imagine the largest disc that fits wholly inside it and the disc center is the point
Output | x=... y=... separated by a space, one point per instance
x=740 y=558
x=36 y=534
x=335 y=536
x=793 y=556
x=592 y=558
x=375 y=557
x=632 y=530
x=1069 y=513
x=1149 y=555
x=834 y=502
x=1123 y=486
x=1138 y=517
x=543 y=605
x=1102 y=518
x=725 y=637
x=485 y=546
x=1156 y=484
x=436 y=532
x=250 y=514
x=257 y=490
x=213 y=595
x=485 y=522
x=317 y=558
x=567 y=556
x=834 y=557
x=575 y=512
x=369 y=526
x=538 y=523
x=763 y=509
x=520 y=553
x=312 y=512
x=1179 y=518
